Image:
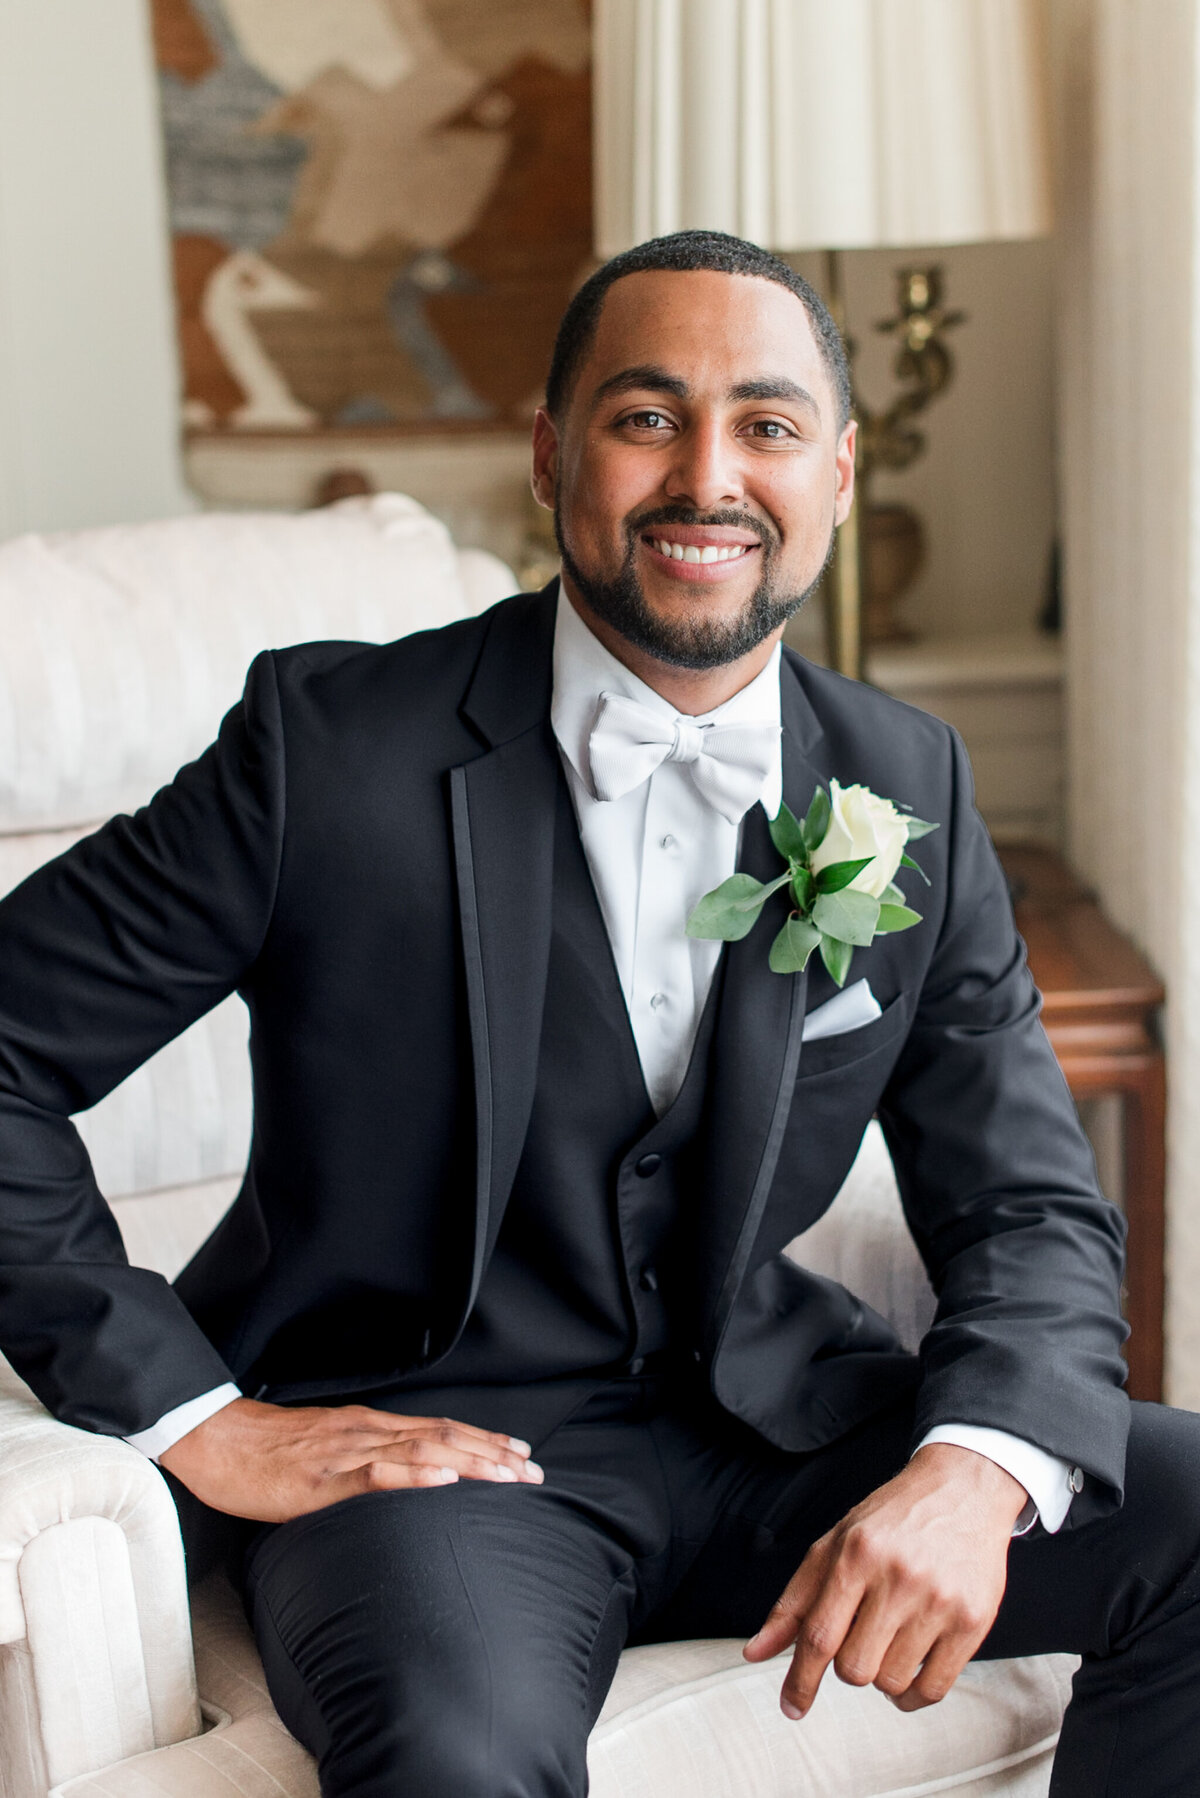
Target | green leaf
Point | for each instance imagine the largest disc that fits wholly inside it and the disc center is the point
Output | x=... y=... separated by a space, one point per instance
x=787 y=835
x=896 y=917
x=849 y=916
x=893 y=895
x=836 y=957
x=817 y=821
x=793 y=946
x=803 y=888
x=839 y=874
x=731 y=910
x=906 y=861
x=917 y=827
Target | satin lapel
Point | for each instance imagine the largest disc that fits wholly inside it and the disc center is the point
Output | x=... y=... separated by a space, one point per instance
x=502 y=814
x=757 y=1048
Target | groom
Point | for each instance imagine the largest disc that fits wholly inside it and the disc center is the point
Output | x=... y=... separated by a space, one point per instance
x=526 y=1156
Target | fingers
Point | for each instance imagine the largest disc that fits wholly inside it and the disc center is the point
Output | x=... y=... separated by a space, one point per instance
x=930 y=1683
x=471 y=1453
x=447 y=1449
x=785 y=1616
x=389 y=1423
x=819 y=1638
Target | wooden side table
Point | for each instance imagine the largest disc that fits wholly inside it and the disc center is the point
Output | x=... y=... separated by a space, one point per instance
x=1100 y=999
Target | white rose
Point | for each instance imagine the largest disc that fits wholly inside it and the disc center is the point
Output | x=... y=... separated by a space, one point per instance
x=863 y=824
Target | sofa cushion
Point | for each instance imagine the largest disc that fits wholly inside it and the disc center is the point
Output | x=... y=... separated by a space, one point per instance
x=124 y=646
x=684 y=1720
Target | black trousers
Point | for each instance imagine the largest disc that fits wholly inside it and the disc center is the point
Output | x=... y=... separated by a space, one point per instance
x=459 y=1642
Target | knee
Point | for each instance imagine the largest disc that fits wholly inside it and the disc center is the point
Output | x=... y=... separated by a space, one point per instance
x=471 y=1743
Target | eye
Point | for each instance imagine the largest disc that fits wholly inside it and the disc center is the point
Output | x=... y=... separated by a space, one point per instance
x=772 y=429
x=647 y=420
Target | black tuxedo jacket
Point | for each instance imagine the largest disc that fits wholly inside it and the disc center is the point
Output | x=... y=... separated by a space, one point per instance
x=365 y=855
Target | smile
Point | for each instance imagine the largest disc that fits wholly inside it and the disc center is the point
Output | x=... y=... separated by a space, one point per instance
x=689 y=552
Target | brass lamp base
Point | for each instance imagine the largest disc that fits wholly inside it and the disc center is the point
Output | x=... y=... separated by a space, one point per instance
x=894 y=553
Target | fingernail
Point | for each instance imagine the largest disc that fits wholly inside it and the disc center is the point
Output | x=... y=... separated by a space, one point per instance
x=448 y=1476
x=792 y=1712
x=504 y=1473
x=755 y=1639
x=531 y=1467
x=522 y=1448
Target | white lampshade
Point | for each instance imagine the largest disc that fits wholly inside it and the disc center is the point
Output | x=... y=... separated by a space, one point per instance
x=820 y=124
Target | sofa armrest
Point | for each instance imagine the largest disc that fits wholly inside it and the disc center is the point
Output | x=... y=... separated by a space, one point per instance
x=95 y=1635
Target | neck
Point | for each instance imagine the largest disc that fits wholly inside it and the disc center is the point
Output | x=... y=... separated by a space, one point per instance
x=691 y=691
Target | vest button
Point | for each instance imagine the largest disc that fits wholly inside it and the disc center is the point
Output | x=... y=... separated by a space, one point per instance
x=649 y=1164
x=637 y=1364
x=648 y=1280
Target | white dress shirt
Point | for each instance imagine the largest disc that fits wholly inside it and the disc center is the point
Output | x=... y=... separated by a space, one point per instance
x=651 y=854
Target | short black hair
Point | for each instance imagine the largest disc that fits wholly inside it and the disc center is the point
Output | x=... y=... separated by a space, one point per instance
x=685 y=251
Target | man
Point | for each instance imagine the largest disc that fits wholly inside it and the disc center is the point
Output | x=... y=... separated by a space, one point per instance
x=526 y=1156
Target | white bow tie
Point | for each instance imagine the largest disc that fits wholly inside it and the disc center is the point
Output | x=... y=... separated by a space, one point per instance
x=729 y=762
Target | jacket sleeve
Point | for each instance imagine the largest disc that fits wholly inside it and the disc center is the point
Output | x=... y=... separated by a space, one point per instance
x=106 y=954
x=999 y=1184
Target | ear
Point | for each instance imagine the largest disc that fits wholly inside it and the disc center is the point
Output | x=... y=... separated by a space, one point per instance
x=544 y=474
x=844 y=486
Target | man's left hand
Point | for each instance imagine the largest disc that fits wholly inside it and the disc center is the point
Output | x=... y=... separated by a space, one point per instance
x=903 y=1591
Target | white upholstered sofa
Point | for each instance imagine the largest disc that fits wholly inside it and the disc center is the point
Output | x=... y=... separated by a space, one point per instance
x=119 y=651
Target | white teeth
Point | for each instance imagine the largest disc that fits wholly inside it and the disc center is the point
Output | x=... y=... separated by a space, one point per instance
x=679 y=552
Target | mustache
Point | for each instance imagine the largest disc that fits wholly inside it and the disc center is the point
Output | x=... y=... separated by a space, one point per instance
x=738 y=521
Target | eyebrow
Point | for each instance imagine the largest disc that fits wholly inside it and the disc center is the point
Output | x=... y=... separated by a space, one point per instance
x=646 y=376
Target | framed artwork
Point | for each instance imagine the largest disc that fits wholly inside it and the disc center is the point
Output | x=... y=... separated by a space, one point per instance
x=378 y=208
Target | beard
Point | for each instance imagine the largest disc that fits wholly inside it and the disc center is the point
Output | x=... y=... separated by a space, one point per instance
x=695 y=643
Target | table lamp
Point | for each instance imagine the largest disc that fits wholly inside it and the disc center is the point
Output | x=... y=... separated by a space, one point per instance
x=829 y=125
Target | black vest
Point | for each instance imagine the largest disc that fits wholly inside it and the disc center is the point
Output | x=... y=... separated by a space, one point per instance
x=591 y=1274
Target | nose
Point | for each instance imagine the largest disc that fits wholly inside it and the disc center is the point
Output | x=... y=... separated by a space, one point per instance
x=705 y=469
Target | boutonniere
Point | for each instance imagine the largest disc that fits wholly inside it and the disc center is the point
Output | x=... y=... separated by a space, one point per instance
x=841 y=867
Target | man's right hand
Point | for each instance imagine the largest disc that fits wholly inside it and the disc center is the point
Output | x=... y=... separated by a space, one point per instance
x=273 y=1462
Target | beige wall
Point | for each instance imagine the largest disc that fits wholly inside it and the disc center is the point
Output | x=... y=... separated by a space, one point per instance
x=88 y=379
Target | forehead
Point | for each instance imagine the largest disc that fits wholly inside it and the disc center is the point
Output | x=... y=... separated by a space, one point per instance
x=711 y=328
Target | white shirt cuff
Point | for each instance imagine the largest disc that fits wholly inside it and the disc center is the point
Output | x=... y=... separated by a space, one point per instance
x=194 y=1411
x=1050 y=1481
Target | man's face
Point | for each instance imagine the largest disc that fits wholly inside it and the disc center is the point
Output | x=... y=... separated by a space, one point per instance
x=699 y=470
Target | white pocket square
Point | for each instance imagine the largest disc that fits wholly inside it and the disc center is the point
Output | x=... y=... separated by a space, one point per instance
x=848 y=1010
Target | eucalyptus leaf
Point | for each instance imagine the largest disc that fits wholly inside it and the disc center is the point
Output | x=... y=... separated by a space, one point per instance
x=730 y=910
x=787 y=835
x=906 y=861
x=850 y=916
x=839 y=874
x=793 y=946
x=896 y=917
x=893 y=895
x=816 y=822
x=917 y=827
x=836 y=957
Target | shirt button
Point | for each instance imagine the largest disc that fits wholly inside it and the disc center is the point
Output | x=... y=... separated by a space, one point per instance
x=1076 y=1480
x=648 y=1280
x=667 y=842
x=649 y=1164
x=657 y=1001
